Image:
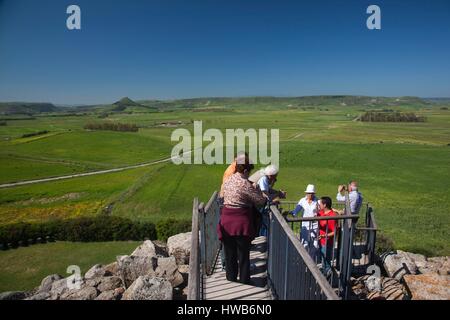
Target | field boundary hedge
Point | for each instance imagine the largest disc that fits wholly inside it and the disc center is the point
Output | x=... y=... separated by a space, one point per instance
x=89 y=229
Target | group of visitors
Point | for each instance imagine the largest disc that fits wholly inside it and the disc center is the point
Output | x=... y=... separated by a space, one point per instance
x=244 y=215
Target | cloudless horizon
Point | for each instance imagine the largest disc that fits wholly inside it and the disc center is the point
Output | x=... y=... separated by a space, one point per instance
x=162 y=49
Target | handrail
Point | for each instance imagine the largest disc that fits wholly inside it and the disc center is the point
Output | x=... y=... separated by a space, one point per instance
x=341 y=217
x=372 y=218
x=194 y=258
x=310 y=265
x=211 y=201
x=210 y=244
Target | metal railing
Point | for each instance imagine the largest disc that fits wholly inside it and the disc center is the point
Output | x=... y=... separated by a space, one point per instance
x=210 y=244
x=291 y=272
x=205 y=245
x=334 y=254
x=293 y=268
x=367 y=235
x=195 y=278
x=364 y=238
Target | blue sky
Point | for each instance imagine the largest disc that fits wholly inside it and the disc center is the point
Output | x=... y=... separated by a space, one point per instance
x=195 y=48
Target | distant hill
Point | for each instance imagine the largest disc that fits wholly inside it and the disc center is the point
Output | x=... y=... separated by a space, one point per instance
x=126 y=102
x=123 y=105
x=8 y=108
x=288 y=102
x=221 y=103
x=438 y=100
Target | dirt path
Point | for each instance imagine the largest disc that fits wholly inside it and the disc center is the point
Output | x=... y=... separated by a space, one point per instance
x=21 y=183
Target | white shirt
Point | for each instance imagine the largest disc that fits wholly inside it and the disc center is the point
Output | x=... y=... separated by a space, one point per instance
x=264 y=184
x=309 y=230
x=355 y=198
x=257 y=176
x=309 y=210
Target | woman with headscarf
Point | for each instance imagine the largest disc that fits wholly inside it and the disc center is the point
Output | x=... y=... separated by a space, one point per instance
x=236 y=228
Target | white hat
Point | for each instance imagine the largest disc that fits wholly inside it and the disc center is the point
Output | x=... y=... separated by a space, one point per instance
x=310 y=189
x=271 y=170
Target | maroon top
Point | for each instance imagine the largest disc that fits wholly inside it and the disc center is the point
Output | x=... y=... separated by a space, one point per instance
x=236 y=222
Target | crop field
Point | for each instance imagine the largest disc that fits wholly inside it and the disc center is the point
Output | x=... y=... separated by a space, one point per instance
x=402 y=168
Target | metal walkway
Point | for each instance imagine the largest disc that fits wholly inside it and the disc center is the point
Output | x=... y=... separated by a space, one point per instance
x=217 y=287
x=282 y=268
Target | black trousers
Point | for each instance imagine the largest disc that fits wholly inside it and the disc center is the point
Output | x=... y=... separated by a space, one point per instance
x=237 y=258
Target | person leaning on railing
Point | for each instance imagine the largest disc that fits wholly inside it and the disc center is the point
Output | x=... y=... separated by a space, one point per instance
x=236 y=228
x=264 y=180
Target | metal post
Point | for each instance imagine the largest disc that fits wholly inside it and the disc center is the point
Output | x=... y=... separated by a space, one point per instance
x=286 y=269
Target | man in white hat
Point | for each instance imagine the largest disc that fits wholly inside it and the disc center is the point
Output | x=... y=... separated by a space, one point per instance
x=264 y=179
x=309 y=208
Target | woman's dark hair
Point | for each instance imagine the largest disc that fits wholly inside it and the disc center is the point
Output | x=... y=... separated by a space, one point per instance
x=327 y=202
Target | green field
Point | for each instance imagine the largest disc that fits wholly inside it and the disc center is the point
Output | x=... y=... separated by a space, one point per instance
x=402 y=168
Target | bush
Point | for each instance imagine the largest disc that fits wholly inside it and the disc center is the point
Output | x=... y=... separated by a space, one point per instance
x=84 y=229
x=169 y=227
x=92 y=229
x=2 y=123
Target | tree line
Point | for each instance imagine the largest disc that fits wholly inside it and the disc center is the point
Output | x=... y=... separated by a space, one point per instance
x=89 y=229
x=372 y=116
x=33 y=134
x=112 y=126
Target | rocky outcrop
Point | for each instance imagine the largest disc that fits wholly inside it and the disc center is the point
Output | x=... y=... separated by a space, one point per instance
x=149 y=272
x=13 y=295
x=149 y=288
x=109 y=284
x=132 y=267
x=147 y=249
x=40 y=296
x=47 y=282
x=179 y=246
x=431 y=286
x=167 y=268
x=161 y=249
x=59 y=287
x=369 y=287
x=400 y=263
x=440 y=265
x=184 y=270
x=97 y=271
x=115 y=294
x=424 y=278
x=112 y=268
x=85 y=293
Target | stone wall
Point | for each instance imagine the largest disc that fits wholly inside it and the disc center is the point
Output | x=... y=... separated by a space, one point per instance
x=406 y=276
x=153 y=271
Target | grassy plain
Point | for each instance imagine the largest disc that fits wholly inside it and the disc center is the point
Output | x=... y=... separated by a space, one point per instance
x=403 y=168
